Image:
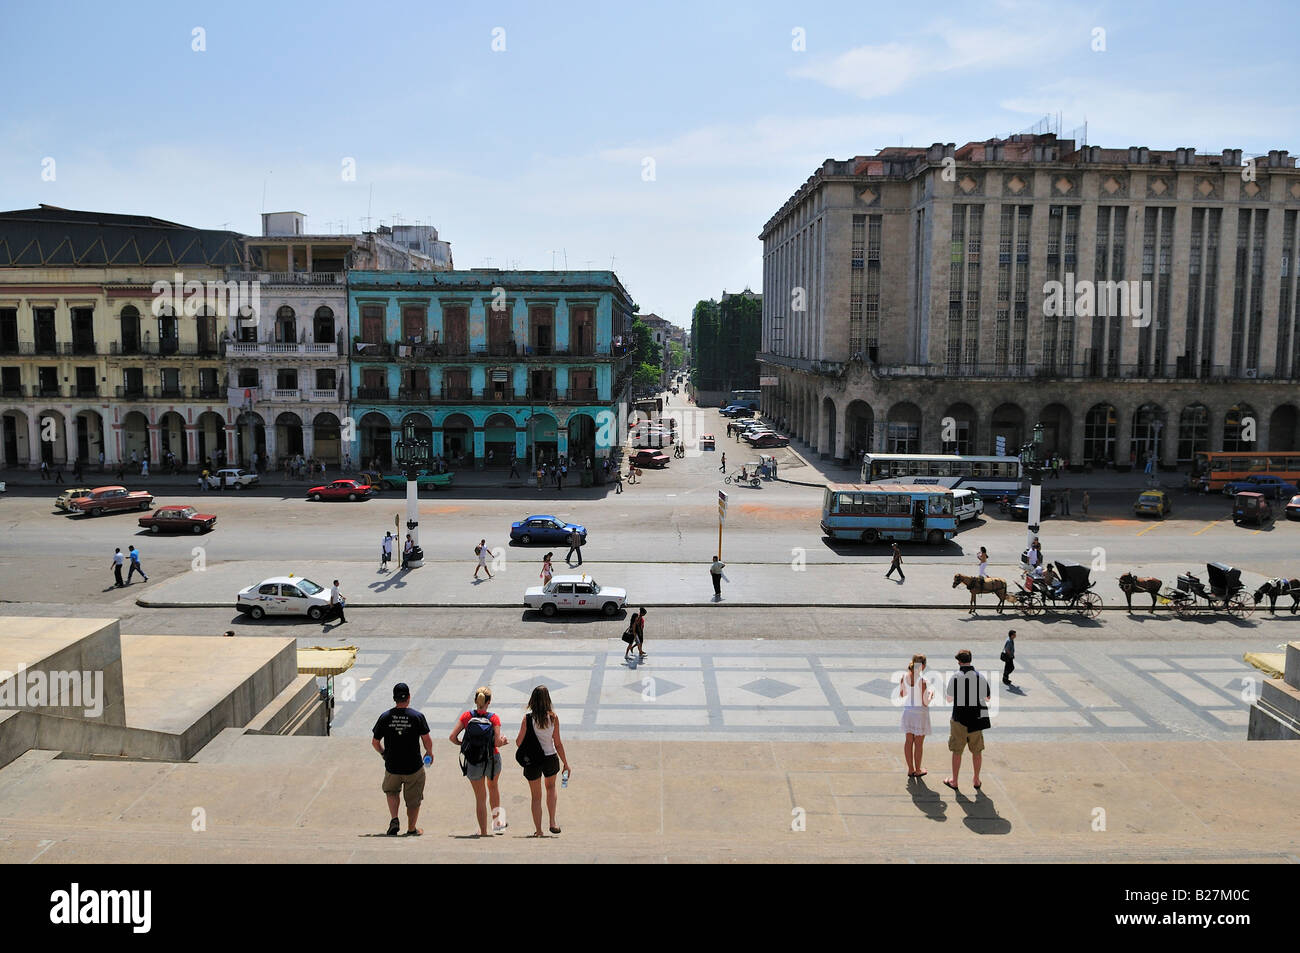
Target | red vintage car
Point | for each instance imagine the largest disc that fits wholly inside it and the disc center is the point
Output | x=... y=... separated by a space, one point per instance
x=341 y=490
x=111 y=499
x=178 y=519
x=648 y=458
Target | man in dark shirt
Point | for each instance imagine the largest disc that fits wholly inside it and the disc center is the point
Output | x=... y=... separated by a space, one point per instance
x=398 y=734
x=969 y=692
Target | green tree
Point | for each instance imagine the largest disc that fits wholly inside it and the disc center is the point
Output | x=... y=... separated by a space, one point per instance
x=644 y=348
x=646 y=377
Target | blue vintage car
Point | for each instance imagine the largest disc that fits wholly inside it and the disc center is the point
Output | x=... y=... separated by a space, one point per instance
x=545 y=529
x=1272 y=487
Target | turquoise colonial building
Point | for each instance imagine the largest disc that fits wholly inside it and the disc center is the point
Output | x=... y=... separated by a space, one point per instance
x=488 y=364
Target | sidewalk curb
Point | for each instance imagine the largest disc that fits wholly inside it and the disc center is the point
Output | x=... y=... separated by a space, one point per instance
x=352 y=604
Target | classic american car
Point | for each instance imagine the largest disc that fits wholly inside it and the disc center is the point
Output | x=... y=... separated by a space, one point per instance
x=70 y=494
x=545 y=529
x=423 y=480
x=341 y=490
x=111 y=499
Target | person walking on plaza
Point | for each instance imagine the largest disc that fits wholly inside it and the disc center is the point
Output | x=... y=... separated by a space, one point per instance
x=337 y=602
x=514 y=465
x=76 y=470
x=896 y=563
x=1065 y=502
x=637 y=628
x=548 y=571
x=397 y=736
x=482 y=552
x=968 y=691
x=480 y=758
x=101 y=461
x=618 y=480
x=723 y=468
x=134 y=556
x=58 y=473
x=715 y=571
x=144 y=468
x=539 y=739
x=386 y=551
x=982 y=558
x=1008 y=657
x=1084 y=504
x=118 y=562
x=575 y=546
x=917 y=695
x=45 y=470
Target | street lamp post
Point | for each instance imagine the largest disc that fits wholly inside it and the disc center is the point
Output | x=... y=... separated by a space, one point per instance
x=412 y=455
x=1031 y=457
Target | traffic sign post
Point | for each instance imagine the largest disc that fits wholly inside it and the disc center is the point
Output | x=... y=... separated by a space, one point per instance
x=722 y=515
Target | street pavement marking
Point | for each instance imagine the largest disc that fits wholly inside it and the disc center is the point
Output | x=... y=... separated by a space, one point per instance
x=1148 y=529
x=1207 y=526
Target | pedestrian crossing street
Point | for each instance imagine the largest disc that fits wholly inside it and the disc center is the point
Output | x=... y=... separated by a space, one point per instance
x=767 y=691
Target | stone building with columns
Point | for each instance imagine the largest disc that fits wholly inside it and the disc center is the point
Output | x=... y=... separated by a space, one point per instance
x=288 y=362
x=928 y=299
x=93 y=358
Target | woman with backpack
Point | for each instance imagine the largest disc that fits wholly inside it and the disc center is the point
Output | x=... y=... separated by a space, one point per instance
x=540 y=745
x=480 y=759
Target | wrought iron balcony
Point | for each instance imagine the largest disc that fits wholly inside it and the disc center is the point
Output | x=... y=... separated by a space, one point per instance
x=372 y=393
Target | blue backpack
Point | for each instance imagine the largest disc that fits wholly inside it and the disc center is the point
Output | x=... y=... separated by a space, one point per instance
x=477 y=745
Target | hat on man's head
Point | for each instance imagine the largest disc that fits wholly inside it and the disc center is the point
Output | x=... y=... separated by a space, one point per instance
x=401 y=692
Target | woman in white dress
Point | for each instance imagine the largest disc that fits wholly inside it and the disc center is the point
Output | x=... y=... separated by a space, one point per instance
x=916 y=695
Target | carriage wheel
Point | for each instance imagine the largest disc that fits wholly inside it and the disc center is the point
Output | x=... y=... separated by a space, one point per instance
x=1029 y=604
x=1088 y=604
x=1240 y=607
x=1183 y=608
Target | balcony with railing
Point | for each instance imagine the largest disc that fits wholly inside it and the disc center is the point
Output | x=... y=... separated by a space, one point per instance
x=371 y=351
x=16 y=391
x=167 y=347
x=454 y=350
x=281 y=349
x=372 y=393
x=177 y=392
x=289 y=277
x=86 y=392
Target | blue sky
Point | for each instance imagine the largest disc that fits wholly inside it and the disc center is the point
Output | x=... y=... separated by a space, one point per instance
x=539 y=149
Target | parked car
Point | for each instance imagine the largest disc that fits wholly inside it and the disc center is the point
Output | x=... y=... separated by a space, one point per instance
x=1293 y=508
x=766 y=439
x=651 y=435
x=575 y=593
x=1273 y=487
x=545 y=529
x=111 y=499
x=1020 y=507
x=737 y=410
x=423 y=480
x=178 y=519
x=1251 y=508
x=285 y=595
x=341 y=490
x=234 y=477
x=1156 y=502
x=648 y=458
x=70 y=494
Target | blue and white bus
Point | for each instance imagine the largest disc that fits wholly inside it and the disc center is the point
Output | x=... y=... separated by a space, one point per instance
x=988 y=476
x=747 y=398
x=870 y=514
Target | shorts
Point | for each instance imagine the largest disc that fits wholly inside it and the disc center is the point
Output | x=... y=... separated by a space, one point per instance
x=548 y=766
x=411 y=785
x=488 y=769
x=959 y=738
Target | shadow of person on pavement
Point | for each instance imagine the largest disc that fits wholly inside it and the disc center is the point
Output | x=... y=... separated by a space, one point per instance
x=392 y=582
x=982 y=814
x=927 y=800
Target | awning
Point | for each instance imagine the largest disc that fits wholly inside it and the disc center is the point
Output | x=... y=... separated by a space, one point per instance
x=1270 y=663
x=326 y=660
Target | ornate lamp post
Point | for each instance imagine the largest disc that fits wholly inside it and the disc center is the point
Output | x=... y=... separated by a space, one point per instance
x=1031 y=458
x=412 y=455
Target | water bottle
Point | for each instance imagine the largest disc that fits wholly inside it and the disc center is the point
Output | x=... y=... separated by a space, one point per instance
x=428 y=760
x=564 y=778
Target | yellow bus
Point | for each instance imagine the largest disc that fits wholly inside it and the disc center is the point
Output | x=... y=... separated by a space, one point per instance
x=1215 y=470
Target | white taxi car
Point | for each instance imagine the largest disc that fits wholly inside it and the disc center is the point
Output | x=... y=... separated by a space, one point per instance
x=235 y=479
x=285 y=595
x=577 y=593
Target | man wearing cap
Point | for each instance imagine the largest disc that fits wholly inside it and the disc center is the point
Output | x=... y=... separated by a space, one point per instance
x=968 y=691
x=398 y=734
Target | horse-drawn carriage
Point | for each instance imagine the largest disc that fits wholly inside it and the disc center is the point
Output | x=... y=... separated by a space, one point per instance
x=1225 y=593
x=1071 y=593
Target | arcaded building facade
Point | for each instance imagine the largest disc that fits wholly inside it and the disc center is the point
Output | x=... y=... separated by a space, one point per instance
x=1131 y=300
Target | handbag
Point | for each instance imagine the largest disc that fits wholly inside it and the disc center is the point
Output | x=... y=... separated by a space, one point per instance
x=628 y=635
x=1002 y=657
x=530 y=752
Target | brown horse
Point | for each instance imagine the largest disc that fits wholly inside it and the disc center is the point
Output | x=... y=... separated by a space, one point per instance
x=982 y=584
x=1129 y=584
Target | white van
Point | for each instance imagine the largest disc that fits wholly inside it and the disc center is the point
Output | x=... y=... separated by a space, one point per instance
x=967 y=504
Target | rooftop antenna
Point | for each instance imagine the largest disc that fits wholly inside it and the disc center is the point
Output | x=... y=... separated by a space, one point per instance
x=611 y=262
x=552 y=259
x=264 y=193
x=370 y=205
x=566 y=258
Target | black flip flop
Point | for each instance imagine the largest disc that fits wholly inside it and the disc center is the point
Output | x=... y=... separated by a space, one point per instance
x=947 y=785
x=394 y=826
x=555 y=830
x=978 y=786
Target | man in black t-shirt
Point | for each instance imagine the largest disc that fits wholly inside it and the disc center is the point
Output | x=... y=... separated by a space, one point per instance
x=969 y=692
x=398 y=734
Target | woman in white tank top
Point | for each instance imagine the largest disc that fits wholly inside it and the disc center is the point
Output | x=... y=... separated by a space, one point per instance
x=546 y=758
x=916 y=695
